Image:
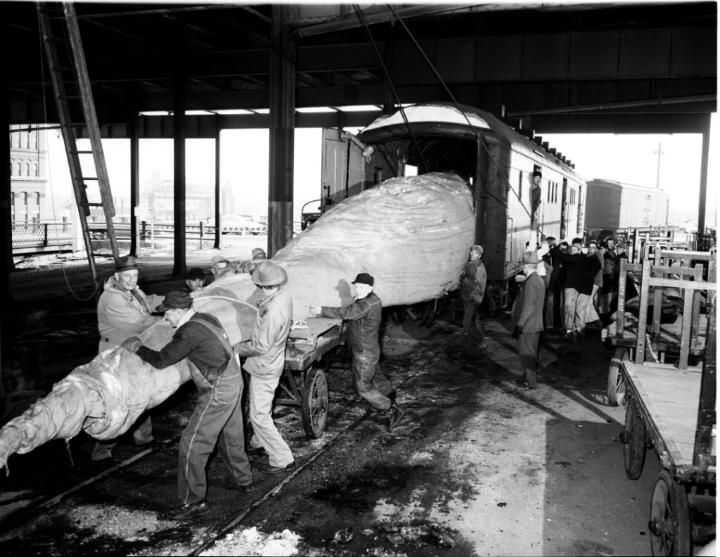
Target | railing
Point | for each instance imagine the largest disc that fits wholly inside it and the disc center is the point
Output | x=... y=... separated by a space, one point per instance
x=60 y=235
x=42 y=235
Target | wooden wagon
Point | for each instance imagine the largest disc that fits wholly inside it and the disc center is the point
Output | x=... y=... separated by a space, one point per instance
x=667 y=335
x=671 y=407
x=304 y=383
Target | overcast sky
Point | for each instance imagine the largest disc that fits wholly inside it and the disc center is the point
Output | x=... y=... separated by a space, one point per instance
x=244 y=163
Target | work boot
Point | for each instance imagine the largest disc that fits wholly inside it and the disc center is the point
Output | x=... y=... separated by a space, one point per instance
x=394 y=416
x=187 y=512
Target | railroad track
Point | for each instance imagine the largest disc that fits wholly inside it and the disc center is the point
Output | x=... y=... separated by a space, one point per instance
x=213 y=532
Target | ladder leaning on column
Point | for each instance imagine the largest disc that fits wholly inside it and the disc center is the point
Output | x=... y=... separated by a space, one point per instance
x=68 y=71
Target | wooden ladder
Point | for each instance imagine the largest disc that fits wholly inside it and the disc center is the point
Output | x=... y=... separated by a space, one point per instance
x=71 y=85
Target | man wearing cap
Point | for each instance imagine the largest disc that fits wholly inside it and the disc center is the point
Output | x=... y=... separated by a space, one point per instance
x=363 y=319
x=472 y=291
x=220 y=267
x=194 y=280
x=535 y=197
x=265 y=352
x=217 y=417
x=257 y=255
x=124 y=311
x=527 y=317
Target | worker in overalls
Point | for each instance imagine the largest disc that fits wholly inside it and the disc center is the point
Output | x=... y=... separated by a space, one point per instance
x=124 y=311
x=363 y=319
x=217 y=417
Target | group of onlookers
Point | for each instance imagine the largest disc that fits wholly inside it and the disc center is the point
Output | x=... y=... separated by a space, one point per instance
x=565 y=288
x=582 y=286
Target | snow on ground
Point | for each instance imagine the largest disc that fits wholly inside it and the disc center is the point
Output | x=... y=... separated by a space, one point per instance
x=250 y=541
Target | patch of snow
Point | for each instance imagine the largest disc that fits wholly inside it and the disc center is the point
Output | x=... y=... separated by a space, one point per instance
x=250 y=541
x=109 y=520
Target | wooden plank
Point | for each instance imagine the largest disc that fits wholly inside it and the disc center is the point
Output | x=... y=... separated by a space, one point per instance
x=694 y=331
x=642 y=322
x=671 y=399
x=674 y=283
x=685 y=334
x=620 y=313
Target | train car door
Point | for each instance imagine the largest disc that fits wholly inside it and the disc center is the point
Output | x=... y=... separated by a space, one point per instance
x=343 y=167
x=564 y=210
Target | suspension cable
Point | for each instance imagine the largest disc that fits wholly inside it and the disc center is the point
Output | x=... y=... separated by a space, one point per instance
x=457 y=106
x=388 y=77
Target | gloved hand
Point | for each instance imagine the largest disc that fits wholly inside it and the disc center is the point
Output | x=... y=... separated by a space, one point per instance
x=132 y=344
x=516 y=332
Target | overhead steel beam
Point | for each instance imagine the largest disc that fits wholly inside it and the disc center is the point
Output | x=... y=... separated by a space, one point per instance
x=374 y=15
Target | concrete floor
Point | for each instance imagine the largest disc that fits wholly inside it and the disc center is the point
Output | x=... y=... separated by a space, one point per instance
x=476 y=467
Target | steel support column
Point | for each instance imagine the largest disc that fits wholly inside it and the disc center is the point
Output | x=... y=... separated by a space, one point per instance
x=703 y=176
x=134 y=182
x=179 y=133
x=6 y=260
x=218 y=218
x=282 y=131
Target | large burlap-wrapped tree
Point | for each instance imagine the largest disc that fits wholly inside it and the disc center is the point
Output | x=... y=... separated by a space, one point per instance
x=412 y=234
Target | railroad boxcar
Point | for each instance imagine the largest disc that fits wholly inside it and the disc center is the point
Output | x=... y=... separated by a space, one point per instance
x=497 y=162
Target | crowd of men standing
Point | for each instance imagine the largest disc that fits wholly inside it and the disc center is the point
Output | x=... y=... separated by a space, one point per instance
x=565 y=288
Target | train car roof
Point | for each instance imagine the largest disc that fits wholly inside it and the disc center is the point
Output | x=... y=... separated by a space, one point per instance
x=444 y=116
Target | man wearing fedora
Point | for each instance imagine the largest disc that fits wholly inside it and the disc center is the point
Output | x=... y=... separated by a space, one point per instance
x=124 y=311
x=527 y=317
x=217 y=417
x=265 y=352
x=363 y=319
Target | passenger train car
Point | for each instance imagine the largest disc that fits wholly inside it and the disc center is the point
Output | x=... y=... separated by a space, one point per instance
x=497 y=162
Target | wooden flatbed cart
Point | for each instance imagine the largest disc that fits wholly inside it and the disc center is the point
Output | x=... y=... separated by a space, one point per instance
x=672 y=408
x=304 y=383
x=662 y=339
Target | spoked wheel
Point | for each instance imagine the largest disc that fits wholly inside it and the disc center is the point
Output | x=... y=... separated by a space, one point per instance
x=615 y=382
x=669 y=525
x=634 y=442
x=314 y=402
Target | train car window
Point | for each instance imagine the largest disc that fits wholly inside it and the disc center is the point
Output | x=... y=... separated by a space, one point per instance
x=377 y=175
x=410 y=170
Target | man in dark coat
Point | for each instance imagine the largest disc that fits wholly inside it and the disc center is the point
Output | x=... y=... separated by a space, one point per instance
x=217 y=418
x=363 y=319
x=527 y=317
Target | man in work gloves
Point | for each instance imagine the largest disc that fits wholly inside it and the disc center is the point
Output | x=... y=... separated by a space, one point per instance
x=363 y=318
x=265 y=362
x=217 y=417
x=124 y=311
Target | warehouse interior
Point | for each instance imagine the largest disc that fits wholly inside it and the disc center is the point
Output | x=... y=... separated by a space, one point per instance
x=183 y=71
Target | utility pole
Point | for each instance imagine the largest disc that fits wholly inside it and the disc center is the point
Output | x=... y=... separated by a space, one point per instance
x=660 y=153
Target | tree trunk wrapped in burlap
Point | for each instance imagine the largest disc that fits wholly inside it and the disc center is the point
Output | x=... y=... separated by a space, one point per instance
x=412 y=234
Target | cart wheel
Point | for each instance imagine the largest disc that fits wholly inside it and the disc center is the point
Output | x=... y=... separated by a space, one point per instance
x=669 y=524
x=314 y=402
x=616 y=383
x=634 y=439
